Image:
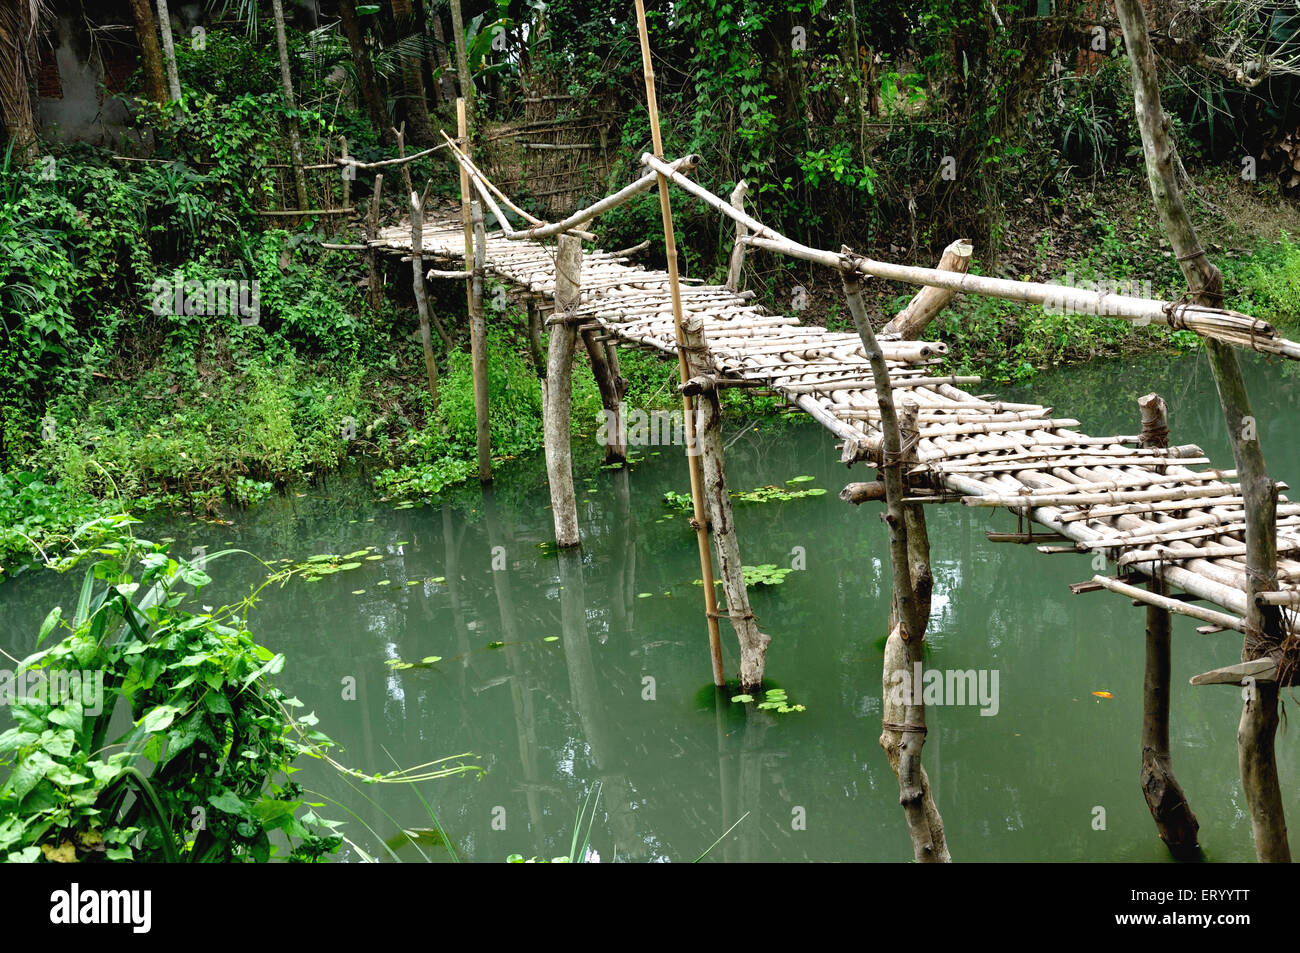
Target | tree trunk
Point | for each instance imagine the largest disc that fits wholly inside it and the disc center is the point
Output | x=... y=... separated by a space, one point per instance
x=446 y=85
x=146 y=34
x=17 y=38
x=375 y=281
x=416 y=107
x=286 y=86
x=1255 y=735
x=169 y=53
x=366 y=80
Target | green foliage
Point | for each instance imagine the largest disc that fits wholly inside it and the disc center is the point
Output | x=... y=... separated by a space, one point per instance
x=202 y=772
x=36 y=516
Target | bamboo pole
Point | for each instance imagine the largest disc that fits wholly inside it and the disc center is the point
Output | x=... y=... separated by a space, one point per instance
x=421 y=298
x=693 y=460
x=1212 y=322
x=737 y=261
x=929 y=301
x=1175 y=606
x=375 y=284
x=466 y=214
x=478 y=347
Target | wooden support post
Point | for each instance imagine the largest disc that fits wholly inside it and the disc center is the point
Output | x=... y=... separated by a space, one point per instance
x=478 y=347
x=375 y=281
x=1175 y=822
x=535 y=337
x=421 y=297
x=614 y=430
x=1264 y=628
x=708 y=437
x=286 y=87
x=903 y=725
x=675 y=289
x=558 y=394
x=738 y=249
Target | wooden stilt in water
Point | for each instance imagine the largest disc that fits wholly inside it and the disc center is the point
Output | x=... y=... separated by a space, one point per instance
x=708 y=444
x=558 y=395
x=535 y=337
x=1175 y=822
x=611 y=388
x=478 y=347
x=903 y=725
x=674 y=284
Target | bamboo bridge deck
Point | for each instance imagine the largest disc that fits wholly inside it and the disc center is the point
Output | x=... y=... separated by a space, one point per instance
x=1157 y=512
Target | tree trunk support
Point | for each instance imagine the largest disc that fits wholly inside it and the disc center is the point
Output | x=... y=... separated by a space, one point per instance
x=1264 y=627
x=708 y=444
x=903 y=725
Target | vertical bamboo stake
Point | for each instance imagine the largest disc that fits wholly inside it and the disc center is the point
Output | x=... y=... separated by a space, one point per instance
x=376 y=287
x=535 y=337
x=558 y=393
x=693 y=460
x=1175 y=822
x=738 y=249
x=348 y=173
x=708 y=432
x=478 y=347
x=462 y=131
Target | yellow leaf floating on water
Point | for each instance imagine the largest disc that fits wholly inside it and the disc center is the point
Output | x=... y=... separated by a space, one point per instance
x=1103 y=694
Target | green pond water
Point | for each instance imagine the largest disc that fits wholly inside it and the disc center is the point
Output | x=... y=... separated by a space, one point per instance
x=618 y=691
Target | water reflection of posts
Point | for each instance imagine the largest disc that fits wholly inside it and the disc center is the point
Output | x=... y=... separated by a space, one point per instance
x=584 y=688
x=623 y=599
x=521 y=692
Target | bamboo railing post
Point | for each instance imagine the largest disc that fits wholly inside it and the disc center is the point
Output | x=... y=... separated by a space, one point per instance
x=1175 y=822
x=903 y=725
x=1264 y=629
x=478 y=347
x=674 y=284
x=708 y=436
x=558 y=393
x=375 y=285
x=738 y=248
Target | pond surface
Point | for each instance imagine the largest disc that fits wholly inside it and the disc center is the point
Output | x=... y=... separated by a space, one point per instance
x=621 y=693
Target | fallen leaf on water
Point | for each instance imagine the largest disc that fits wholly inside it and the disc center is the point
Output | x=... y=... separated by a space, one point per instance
x=1103 y=694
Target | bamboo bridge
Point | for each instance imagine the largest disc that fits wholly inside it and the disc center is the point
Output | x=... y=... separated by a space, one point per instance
x=1154 y=511
x=1186 y=538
